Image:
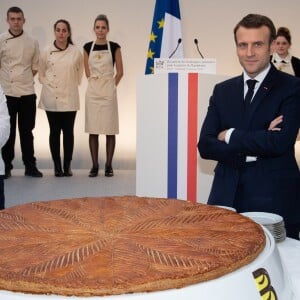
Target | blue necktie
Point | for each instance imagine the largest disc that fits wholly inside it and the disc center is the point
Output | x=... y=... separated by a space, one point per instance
x=251 y=84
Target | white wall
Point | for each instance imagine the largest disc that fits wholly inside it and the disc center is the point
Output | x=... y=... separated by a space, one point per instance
x=211 y=22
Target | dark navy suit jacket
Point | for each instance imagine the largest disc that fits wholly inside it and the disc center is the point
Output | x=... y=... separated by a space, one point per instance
x=277 y=176
x=296 y=65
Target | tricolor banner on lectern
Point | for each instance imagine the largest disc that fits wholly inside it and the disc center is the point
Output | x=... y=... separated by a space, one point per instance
x=171 y=108
x=165 y=33
x=167 y=136
x=182 y=136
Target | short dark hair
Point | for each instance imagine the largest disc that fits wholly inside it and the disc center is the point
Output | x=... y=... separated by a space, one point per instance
x=102 y=18
x=285 y=32
x=256 y=21
x=14 y=9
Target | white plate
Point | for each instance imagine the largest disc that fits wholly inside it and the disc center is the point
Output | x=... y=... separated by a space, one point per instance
x=226 y=207
x=263 y=218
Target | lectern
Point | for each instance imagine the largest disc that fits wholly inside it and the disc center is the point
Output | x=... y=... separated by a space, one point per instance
x=170 y=111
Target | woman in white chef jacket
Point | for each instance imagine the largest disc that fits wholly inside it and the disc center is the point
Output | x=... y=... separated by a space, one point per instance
x=60 y=72
x=104 y=70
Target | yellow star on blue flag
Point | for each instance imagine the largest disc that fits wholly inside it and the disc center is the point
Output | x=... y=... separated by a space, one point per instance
x=165 y=32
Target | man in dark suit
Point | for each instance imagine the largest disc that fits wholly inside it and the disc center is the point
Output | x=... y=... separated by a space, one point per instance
x=254 y=143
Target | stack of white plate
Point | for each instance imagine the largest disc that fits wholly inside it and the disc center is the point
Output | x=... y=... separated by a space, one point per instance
x=226 y=207
x=274 y=223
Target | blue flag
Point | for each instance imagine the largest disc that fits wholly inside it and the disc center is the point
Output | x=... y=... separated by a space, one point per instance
x=165 y=33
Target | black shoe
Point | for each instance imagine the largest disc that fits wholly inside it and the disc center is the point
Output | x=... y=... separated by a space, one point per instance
x=33 y=172
x=109 y=171
x=58 y=172
x=68 y=172
x=67 y=169
x=94 y=172
x=7 y=173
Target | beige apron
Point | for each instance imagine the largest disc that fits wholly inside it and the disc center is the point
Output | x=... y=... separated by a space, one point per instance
x=101 y=106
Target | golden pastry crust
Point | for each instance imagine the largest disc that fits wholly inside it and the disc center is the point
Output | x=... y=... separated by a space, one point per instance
x=116 y=245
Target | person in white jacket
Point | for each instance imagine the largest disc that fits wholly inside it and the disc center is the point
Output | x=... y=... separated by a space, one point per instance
x=60 y=72
x=4 y=134
x=19 y=54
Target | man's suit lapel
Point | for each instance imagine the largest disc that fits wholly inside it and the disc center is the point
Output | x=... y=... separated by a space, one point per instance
x=262 y=92
x=239 y=97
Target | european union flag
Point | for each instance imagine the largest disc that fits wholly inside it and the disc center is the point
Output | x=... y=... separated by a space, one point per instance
x=165 y=33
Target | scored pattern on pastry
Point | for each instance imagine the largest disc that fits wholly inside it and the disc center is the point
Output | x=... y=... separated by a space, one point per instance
x=115 y=245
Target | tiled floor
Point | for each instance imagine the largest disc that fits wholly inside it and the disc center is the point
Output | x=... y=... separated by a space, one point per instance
x=20 y=189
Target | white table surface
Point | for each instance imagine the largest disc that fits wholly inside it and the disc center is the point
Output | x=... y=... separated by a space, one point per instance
x=289 y=251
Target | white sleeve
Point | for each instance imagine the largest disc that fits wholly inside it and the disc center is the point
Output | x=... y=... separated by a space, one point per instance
x=228 y=135
x=4 y=120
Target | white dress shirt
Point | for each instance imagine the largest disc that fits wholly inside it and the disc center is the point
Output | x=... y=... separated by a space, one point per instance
x=283 y=64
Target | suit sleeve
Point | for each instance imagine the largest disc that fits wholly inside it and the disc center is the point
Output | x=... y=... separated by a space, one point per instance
x=265 y=143
x=209 y=146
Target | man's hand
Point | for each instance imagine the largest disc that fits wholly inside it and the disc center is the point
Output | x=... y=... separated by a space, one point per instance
x=221 y=135
x=275 y=122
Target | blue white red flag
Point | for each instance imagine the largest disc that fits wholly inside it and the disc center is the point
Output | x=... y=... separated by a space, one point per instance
x=165 y=33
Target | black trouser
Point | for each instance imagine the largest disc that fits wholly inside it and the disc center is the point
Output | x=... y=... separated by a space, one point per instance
x=22 y=109
x=61 y=121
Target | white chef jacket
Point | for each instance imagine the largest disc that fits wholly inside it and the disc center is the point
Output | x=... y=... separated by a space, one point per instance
x=18 y=58
x=60 y=72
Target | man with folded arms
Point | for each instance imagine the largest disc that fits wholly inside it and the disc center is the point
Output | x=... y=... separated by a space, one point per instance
x=253 y=141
